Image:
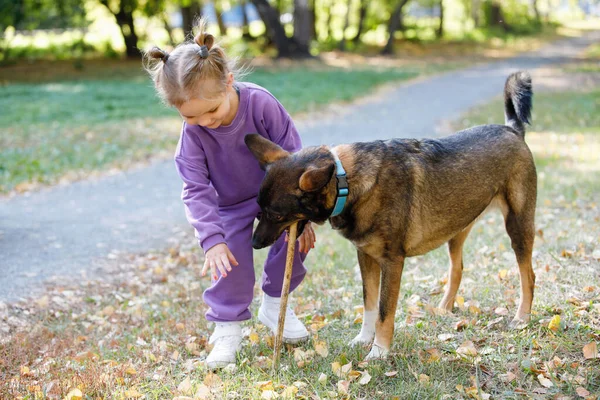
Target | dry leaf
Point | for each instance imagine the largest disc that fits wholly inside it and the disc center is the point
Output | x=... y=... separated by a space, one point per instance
x=269 y=394
x=366 y=378
x=74 y=394
x=203 y=392
x=434 y=355
x=582 y=392
x=343 y=387
x=446 y=336
x=467 y=349
x=212 y=380
x=322 y=379
x=185 y=386
x=289 y=392
x=424 y=379
x=133 y=394
x=391 y=373
x=253 y=337
x=130 y=371
x=545 y=382
x=321 y=349
x=590 y=351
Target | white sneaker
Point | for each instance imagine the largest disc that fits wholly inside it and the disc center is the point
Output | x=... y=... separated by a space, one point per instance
x=294 y=331
x=227 y=341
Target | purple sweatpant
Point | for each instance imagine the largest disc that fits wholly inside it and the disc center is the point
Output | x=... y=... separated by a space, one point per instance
x=230 y=297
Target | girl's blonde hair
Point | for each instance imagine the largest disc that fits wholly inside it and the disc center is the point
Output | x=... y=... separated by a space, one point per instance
x=179 y=76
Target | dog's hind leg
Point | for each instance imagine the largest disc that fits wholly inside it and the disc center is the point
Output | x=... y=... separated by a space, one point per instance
x=371 y=277
x=520 y=227
x=391 y=274
x=455 y=246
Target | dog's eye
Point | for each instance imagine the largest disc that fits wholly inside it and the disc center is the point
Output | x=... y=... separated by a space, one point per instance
x=277 y=217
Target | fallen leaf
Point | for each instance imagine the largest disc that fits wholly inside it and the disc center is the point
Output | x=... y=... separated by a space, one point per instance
x=133 y=394
x=289 y=392
x=269 y=394
x=343 y=386
x=366 y=378
x=554 y=324
x=185 y=386
x=74 y=394
x=545 y=382
x=322 y=379
x=391 y=373
x=424 y=379
x=253 y=337
x=590 y=351
x=203 y=392
x=212 y=380
x=467 y=349
x=130 y=371
x=446 y=336
x=434 y=355
x=582 y=392
x=321 y=349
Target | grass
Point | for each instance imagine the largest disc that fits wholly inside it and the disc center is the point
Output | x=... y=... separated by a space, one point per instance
x=144 y=333
x=49 y=130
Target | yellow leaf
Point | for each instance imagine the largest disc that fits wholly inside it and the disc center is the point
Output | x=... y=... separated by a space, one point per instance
x=108 y=311
x=269 y=394
x=289 y=392
x=590 y=351
x=503 y=273
x=253 y=337
x=175 y=356
x=424 y=379
x=130 y=371
x=545 y=382
x=352 y=375
x=212 y=380
x=180 y=327
x=133 y=394
x=25 y=371
x=321 y=349
x=74 y=394
x=264 y=385
x=460 y=301
x=434 y=355
x=358 y=320
x=554 y=324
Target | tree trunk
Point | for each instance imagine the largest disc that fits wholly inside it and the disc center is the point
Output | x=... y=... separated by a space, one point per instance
x=476 y=12
x=364 y=4
x=536 y=11
x=328 y=24
x=245 y=24
x=440 y=30
x=313 y=16
x=169 y=29
x=286 y=47
x=342 y=45
x=394 y=24
x=219 y=14
x=124 y=17
x=188 y=16
x=302 y=23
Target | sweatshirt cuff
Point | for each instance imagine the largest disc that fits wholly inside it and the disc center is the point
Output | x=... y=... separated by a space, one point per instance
x=212 y=241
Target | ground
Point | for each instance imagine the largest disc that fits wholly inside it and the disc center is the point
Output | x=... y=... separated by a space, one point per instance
x=143 y=334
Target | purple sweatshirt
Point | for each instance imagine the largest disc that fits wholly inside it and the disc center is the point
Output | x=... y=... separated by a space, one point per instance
x=218 y=170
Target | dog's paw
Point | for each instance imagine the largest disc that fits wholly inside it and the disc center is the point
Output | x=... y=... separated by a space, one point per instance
x=518 y=323
x=362 y=339
x=377 y=353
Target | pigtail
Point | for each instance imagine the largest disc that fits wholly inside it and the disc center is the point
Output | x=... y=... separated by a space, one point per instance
x=158 y=54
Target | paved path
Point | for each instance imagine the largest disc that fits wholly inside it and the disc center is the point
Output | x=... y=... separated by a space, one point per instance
x=66 y=231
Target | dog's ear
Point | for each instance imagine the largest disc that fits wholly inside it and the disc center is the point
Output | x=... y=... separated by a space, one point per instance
x=315 y=178
x=265 y=151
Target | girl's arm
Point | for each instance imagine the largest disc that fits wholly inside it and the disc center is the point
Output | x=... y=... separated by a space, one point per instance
x=199 y=197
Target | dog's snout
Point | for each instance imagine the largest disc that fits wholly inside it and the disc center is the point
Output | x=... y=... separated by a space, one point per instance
x=258 y=243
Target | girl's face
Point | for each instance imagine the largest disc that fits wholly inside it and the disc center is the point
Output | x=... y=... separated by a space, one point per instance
x=220 y=110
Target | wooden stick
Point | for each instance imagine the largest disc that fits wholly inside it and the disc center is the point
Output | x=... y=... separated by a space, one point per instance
x=285 y=291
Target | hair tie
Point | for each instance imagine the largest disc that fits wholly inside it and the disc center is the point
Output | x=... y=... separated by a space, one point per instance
x=165 y=57
x=203 y=51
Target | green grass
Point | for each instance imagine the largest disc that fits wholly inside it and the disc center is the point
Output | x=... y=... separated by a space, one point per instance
x=151 y=318
x=48 y=130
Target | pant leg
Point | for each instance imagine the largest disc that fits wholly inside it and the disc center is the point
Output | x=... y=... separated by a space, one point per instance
x=272 y=279
x=230 y=297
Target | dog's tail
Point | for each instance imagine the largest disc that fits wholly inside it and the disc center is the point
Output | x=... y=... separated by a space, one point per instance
x=518 y=96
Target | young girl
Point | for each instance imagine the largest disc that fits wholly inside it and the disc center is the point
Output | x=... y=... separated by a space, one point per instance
x=221 y=180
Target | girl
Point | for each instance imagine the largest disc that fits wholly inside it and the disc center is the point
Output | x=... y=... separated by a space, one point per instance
x=221 y=180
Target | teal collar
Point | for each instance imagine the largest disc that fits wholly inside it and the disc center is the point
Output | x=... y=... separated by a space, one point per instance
x=342 y=186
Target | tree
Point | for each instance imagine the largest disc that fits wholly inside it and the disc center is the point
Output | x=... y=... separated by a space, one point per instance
x=439 y=33
x=123 y=10
x=395 y=22
x=286 y=46
x=362 y=14
x=303 y=24
x=190 y=11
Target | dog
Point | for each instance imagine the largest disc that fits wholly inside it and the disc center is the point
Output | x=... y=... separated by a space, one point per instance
x=400 y=198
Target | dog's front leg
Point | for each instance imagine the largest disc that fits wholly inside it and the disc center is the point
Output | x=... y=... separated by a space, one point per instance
x=391 y=274
x=371 y=276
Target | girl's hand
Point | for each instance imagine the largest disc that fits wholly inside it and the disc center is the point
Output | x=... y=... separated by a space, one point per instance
x=307 y=239
x=219 y=257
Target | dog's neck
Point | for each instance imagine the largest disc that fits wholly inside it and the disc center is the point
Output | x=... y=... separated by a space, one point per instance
x=359 y=182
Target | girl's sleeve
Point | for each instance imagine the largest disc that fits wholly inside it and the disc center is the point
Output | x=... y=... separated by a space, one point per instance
x=198 y=195
x=280 y=127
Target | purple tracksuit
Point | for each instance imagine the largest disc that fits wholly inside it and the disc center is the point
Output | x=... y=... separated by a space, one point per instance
x=221 y=180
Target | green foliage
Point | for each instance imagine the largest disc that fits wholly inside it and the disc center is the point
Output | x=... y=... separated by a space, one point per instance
x=42 y=14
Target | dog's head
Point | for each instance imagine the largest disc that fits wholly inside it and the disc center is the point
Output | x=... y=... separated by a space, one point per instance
x=297 y=188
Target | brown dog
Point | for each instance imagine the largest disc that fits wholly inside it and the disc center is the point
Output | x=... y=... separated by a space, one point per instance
x=406 y=197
